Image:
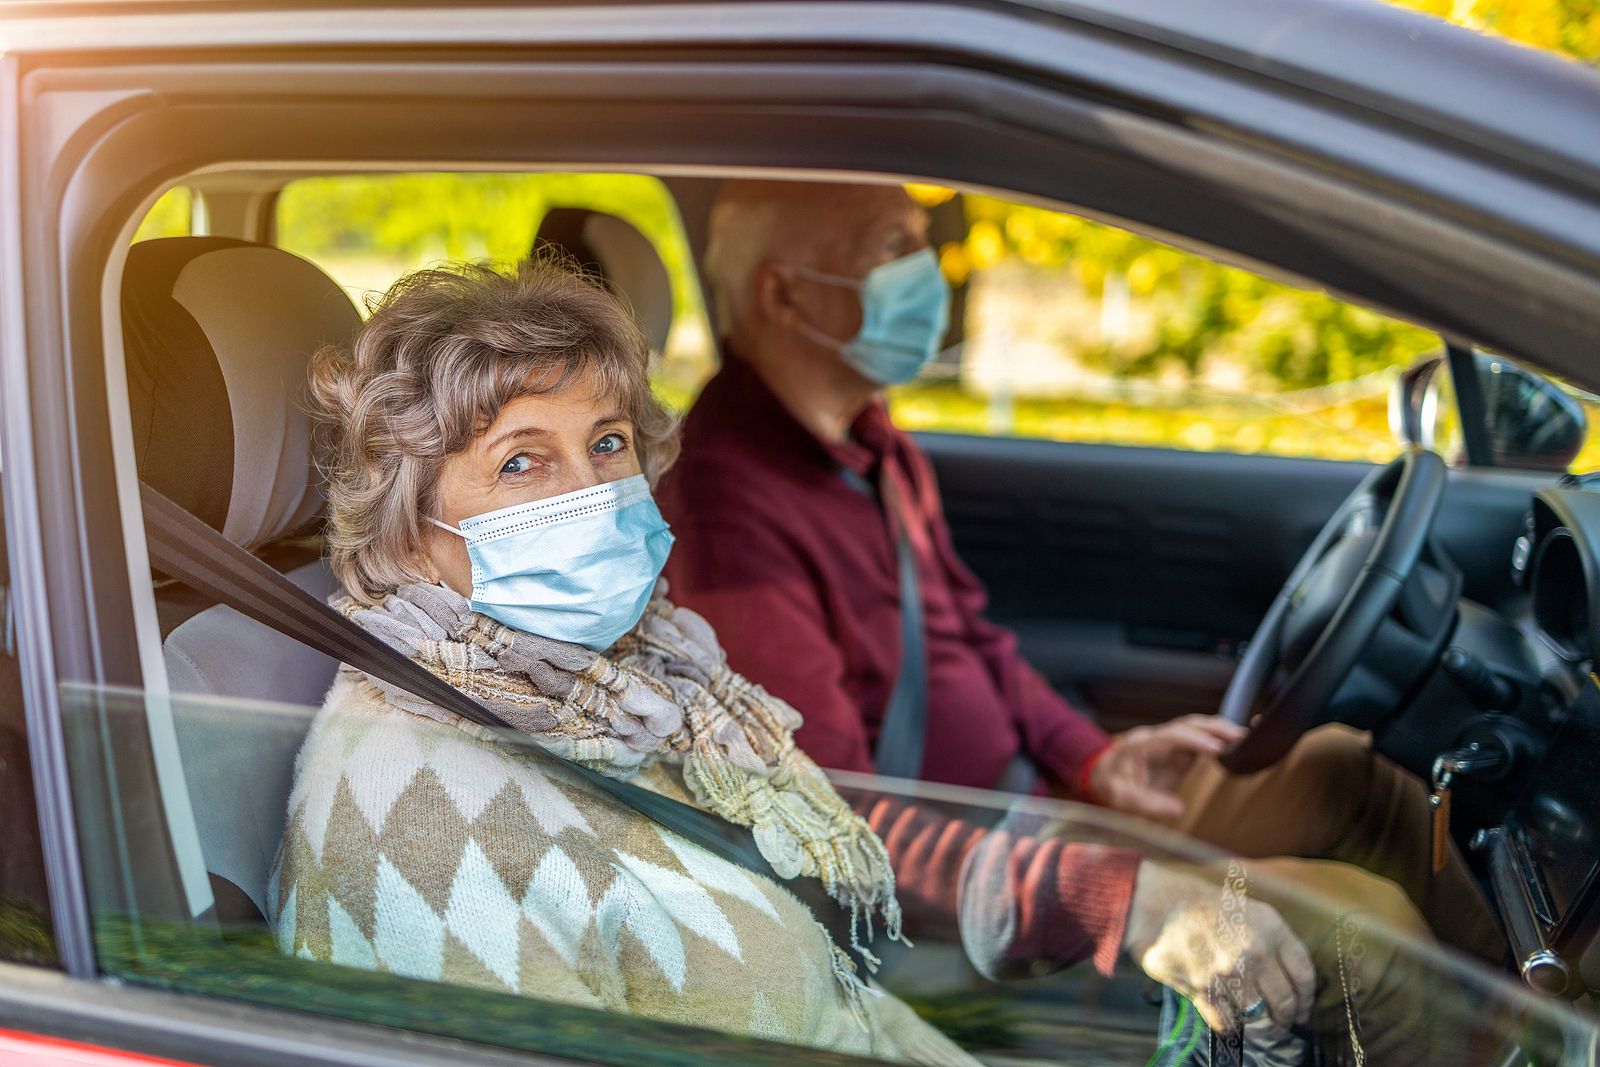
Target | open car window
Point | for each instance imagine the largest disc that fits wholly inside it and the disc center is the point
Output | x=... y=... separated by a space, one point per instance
x=367 y=230
x=1064 y=328
x=411 y=952
x=246 y=847
x=1076 y=330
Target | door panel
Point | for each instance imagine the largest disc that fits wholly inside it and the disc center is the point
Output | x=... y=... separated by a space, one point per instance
x=1131 y=575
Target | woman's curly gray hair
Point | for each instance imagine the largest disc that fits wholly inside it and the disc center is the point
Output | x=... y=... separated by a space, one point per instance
x=442 y=353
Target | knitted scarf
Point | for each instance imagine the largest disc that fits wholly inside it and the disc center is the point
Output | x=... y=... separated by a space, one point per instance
x=664 y=691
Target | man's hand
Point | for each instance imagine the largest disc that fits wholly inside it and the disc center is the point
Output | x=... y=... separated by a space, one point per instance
x=1140 y=772
x=1177 y=934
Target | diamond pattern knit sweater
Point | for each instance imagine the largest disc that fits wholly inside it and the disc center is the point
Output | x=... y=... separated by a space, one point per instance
x=420 y=849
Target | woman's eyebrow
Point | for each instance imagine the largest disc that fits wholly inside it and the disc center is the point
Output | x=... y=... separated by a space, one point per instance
x=512 y=435
x=605 y=420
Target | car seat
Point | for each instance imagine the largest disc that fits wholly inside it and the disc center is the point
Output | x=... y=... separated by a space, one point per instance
x=218 y=336
x=622 y=256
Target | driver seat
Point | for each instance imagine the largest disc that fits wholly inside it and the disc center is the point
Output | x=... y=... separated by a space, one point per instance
x=218 y=336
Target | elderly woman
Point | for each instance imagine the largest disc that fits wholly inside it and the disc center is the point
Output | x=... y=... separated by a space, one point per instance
x=490 y=443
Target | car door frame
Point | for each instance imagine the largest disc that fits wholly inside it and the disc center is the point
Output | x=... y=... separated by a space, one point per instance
x=1049 y=107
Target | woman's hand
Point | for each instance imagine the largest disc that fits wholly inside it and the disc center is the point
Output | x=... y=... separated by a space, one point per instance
x=1180 y=935
x=1140 y=772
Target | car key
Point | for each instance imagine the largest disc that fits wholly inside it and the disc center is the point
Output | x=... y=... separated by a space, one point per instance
x=1490 y=761
x=1439 y=801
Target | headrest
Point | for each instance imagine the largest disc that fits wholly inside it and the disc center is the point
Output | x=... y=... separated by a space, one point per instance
x=620 y=254
x=218 y=335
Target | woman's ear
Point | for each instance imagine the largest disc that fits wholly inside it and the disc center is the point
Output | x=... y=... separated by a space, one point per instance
x=443 y=559
x=424 y=562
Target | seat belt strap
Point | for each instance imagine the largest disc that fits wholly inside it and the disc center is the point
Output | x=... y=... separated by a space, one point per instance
x=185 y=548
x=1020 y=775
x=902 y=735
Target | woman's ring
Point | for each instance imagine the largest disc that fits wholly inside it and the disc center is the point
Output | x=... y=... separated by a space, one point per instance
x=1254 y=1011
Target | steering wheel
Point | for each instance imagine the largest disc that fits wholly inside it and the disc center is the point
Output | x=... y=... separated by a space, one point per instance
x=1339 y=595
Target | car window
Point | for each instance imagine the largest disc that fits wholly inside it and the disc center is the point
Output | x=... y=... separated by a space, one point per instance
x=25 y=933
x=399 y=870
x=503 y=932
x=1074 y=330
x=172 y=215
x=1065 y=328
x=368 y=230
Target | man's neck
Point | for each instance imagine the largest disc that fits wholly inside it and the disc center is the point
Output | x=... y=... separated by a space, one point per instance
x=821 y=393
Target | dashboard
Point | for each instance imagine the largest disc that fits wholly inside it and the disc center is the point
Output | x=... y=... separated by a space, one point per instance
x=1560 y=596
x=1544 y=858
x=1558 y=560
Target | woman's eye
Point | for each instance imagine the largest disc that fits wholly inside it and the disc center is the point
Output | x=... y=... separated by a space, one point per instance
x=521 y=463
x=611 y=442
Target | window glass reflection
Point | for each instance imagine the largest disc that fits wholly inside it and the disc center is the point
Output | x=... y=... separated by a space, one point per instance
x=970 y=986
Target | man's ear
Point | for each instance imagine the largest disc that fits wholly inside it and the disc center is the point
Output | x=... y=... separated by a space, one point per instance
x=772 y=291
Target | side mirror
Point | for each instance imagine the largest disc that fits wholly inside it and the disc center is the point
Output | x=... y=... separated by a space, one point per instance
x=1527 y=420
x=1414 y=403
x=1531 y=421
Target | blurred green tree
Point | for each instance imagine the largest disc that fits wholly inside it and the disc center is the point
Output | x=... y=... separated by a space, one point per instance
x=169 y=216
x=420 y=218
x=1568 y=26
x=1284 y=338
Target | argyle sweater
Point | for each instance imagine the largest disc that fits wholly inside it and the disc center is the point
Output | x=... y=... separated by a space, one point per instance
x=419 y=849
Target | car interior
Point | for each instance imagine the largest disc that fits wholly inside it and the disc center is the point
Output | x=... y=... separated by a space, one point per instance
x=1376 y=504
x=1136 y=578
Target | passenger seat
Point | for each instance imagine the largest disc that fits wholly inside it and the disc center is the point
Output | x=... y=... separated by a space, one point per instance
x=218 y=336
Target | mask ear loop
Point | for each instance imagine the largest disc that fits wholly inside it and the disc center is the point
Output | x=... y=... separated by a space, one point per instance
x=809 y=331
x=826 y=278
x=446 y=526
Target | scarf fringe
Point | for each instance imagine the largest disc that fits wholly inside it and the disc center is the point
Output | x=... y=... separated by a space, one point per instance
x=855 y=989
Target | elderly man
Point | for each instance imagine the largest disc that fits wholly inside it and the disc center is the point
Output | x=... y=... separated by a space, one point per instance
x=798 y=505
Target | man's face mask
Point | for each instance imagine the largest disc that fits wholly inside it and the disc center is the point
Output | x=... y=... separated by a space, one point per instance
x=905 y=310
x=579 y=567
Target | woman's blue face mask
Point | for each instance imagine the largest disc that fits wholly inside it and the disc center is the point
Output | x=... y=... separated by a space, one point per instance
x=579 y=567
x=905 y=311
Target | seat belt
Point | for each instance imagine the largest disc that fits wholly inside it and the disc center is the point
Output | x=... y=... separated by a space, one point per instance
x=185 y=548
x=902 y=734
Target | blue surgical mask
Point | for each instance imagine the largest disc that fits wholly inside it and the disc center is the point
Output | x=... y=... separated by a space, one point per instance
x=579 y=567
x=905 y=310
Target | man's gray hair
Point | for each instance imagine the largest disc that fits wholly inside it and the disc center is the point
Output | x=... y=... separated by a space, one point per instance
x=442 y=353
x=741 y=233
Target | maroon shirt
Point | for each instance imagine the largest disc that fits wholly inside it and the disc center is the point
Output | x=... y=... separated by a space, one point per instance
x=796 y=570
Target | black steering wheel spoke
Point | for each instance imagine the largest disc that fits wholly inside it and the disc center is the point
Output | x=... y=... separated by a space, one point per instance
x=1428 y=598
